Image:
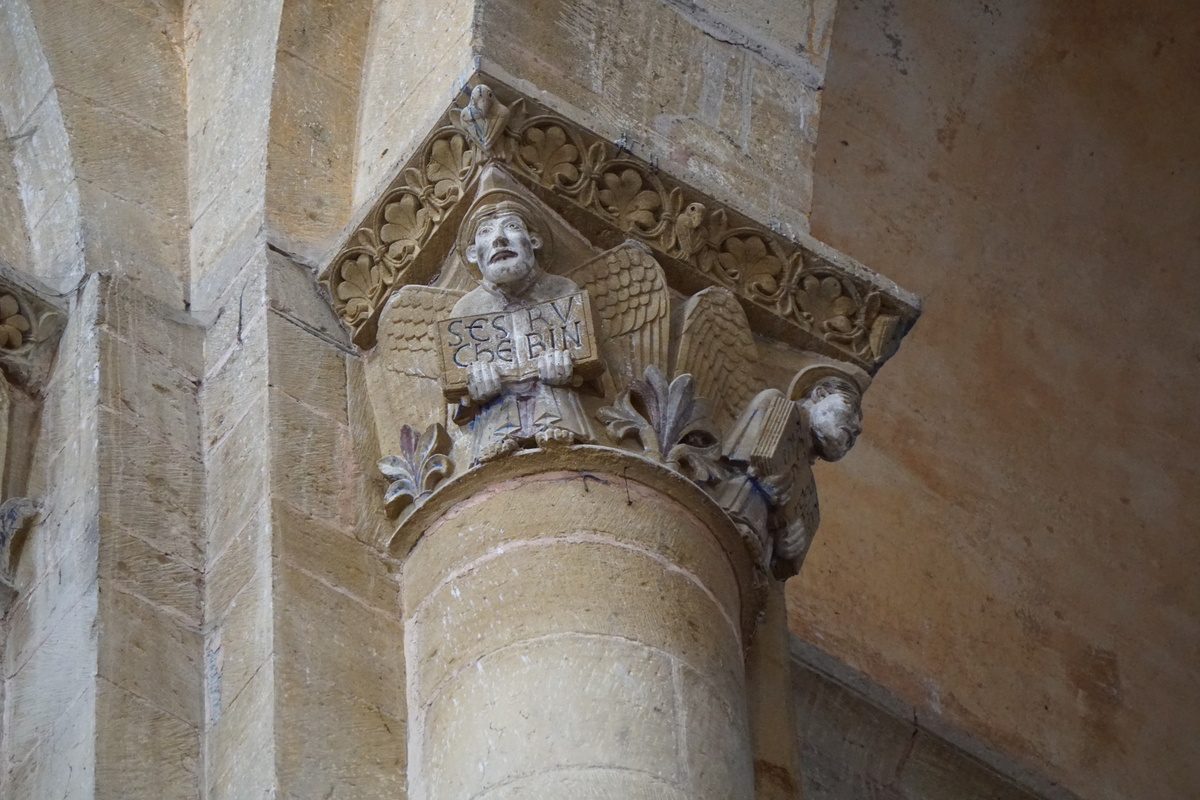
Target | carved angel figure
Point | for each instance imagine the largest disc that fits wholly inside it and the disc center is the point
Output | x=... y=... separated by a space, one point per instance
x=508 y=403
x=771 y=450
x=500 y=237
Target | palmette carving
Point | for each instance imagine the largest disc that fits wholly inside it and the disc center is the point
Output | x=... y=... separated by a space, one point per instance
x=30 y=325
x=670 y=422
x=423 y=462
x=828 y=298
x=14 y=326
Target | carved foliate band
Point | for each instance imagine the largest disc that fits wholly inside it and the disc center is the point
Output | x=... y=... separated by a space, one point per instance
x=30 y=326
x=804 y=292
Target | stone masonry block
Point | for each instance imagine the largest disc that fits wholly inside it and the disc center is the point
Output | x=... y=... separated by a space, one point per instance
x=47 y=598
x=239 y=644
x=311 y=450
x=360 y=651
x=238 y=467
x=127 y=157
x=15 y=246
x=151 y=653
x=144 y=320
x=334 y=745
x=310 y=168
x=64 y=764
x=679 y=92
x=157 y=399
x=227 y=235
x=23 y=67
x=295 y=294
x=335 y=557
x=241 y=743
x=57 y=243
x=143 y=751
x=238 y=308
x=60 y=669
x=149 y=491
x=145 y=77
x=319 y=33
x=719 y=760
x=238 y=384
x=307 y=368
x=125 y=238
x=135 y=566
x=42 y=159
x=244 y=557
x=587 y=783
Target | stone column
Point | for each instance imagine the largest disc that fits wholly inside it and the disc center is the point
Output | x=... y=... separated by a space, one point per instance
x=577 y=632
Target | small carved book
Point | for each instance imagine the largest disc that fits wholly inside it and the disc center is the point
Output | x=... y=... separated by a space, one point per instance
x=780 y=443
x=514 y=340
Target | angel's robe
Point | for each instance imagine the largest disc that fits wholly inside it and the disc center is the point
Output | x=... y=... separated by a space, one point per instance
x=527 y=407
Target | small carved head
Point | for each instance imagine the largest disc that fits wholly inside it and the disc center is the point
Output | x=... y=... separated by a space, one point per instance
x=503 y=246
x=830 y=395
x=834 y=409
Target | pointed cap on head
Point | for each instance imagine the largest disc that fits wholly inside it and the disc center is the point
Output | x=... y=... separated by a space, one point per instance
x=819 y=368
x=498 y=194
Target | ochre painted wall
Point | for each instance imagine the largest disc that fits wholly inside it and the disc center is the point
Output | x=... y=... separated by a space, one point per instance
x=1013 y=543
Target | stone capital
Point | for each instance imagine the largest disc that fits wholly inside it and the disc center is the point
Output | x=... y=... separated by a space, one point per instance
x=525 y=285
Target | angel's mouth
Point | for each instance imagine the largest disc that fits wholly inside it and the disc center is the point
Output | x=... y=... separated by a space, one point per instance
x=501 y=255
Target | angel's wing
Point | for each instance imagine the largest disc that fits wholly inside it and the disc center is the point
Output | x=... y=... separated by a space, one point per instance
x=629 y=295
x=403 y=371
x=717 y=348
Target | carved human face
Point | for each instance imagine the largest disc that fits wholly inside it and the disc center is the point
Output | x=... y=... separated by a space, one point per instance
x=503 y=249
x=836 y=421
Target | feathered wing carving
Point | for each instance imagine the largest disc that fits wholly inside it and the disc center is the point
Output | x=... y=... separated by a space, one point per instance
x=403 y=371
x=632 y=307
x=717 y=348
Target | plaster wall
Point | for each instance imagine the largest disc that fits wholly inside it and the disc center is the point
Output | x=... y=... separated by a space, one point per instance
x=1012 y=546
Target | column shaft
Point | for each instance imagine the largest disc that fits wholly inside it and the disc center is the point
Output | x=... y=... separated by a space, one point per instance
x=574 y=634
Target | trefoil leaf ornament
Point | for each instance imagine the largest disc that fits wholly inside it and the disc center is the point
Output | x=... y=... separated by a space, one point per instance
x=422 y=464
